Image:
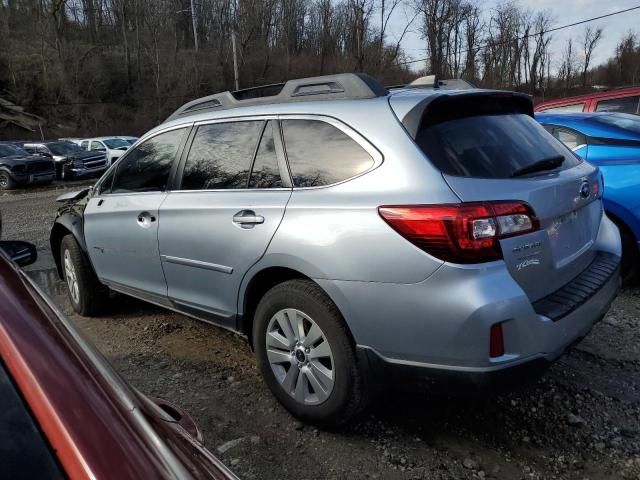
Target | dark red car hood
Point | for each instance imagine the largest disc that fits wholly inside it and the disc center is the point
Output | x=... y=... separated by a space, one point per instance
x=96 y=424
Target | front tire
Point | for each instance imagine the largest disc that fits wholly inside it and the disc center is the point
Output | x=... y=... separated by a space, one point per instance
x=6 y=181
x=306 y=356
x=87 y=295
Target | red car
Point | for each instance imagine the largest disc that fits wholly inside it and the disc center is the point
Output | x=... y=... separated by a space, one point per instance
x=66 y=413
x=622 y=100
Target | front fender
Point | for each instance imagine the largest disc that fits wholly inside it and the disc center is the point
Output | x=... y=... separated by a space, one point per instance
x=68 y=222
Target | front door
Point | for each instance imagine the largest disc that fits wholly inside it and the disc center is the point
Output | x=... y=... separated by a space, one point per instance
x=121 y=221
x=233 y=195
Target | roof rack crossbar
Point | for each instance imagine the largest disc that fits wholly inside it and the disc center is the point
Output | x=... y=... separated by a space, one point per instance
x=329 y=87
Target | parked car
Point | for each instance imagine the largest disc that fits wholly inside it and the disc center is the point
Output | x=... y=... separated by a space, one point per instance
x=130 y=140
x=612 y=142
x=622 y=100
x=351 y=233
x=18 y=167
x=66 y=413
x=71 y=161
x=113 y=147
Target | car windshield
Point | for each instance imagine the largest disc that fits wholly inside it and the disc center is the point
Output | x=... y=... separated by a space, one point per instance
x=624 y=121
x=63 y=148
x=115 y=143
x=8 y=150
x=490 y=146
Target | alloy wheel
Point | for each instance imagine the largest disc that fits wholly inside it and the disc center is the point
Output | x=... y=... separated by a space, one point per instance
x=300 y=356
x=71 y=277
x=4 y=180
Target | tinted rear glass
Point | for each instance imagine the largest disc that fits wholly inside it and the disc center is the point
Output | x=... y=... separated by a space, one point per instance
x=621 y=105
x=490 y=146
x=321 y=154
x=625 y=122
x=63 y=148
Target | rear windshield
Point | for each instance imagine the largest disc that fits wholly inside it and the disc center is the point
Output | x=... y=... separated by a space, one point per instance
x=490 y=146
x=625 y=122
x=64 y=148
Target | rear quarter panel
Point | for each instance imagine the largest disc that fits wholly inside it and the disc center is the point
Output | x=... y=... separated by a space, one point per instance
x=620 y=167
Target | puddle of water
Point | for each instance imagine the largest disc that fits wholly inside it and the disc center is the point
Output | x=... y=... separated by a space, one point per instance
x=49 y=281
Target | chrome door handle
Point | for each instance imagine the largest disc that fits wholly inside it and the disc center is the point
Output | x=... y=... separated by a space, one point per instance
x=248 y=218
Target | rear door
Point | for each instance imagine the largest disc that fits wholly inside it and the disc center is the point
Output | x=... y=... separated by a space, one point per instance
x=232 y=195
x=493 y=157
x=121 y=220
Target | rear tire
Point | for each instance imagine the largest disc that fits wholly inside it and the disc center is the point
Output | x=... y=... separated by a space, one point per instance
x=87 y=295
x=310 y=363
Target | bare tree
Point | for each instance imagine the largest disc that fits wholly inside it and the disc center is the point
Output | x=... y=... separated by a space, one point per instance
x=568 y=65
x=590 y=39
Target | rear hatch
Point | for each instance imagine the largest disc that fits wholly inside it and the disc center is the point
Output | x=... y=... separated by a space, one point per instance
x=489 y=148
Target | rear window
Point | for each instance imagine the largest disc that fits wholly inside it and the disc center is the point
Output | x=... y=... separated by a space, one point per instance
x=575 y=107
x=620 y=105
x=320 y=154
x=490 y=146
x=626 y=122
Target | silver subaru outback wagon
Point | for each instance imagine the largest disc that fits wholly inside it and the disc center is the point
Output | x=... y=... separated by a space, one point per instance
x=352 y=233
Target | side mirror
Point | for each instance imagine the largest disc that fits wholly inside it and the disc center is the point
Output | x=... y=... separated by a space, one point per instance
x=23 y=253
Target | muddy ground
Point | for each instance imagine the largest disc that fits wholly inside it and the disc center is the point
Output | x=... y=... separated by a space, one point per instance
x=581 y=420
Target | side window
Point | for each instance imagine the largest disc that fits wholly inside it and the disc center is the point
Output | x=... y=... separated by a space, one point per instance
x=220 y=156
x=146 y=168
x=576 y=107
x=24 y=452
x=265 y=172
x=97 y=146
x=620 y=105
x=570 y=138
x=85 y=144
x=321 y=154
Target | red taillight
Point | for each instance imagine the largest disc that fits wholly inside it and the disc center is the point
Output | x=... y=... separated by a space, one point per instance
x=496 y=342
x=463 y=232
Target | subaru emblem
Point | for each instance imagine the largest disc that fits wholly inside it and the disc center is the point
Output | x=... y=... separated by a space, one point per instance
x=585 y=190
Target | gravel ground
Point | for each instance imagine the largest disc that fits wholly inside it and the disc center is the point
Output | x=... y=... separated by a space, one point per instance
x=581 y=420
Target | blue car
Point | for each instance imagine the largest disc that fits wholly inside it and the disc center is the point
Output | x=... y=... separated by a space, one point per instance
x=612 y=142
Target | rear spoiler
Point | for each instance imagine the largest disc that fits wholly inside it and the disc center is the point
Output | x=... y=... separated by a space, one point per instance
x=447 y=106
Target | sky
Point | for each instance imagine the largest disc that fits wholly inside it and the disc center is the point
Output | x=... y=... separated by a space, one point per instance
x=563 y=12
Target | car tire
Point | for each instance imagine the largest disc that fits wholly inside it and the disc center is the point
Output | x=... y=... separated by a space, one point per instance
x=87 y=295
x=6 y=181
x=322 y=357
x=630 y=256
x=65 y=175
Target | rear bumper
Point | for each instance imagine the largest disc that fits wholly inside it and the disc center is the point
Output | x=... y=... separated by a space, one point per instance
x=556 y=336
x=441 y=326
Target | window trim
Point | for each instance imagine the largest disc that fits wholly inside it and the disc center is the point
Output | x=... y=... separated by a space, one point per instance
x=172 y=173
x=282 y=164
x=554 y=127
x=375 y=154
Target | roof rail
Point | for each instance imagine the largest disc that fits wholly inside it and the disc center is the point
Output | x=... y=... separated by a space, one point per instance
x=341 y=86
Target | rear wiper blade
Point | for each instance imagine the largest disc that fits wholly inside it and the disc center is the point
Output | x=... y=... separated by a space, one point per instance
x=539 y=166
